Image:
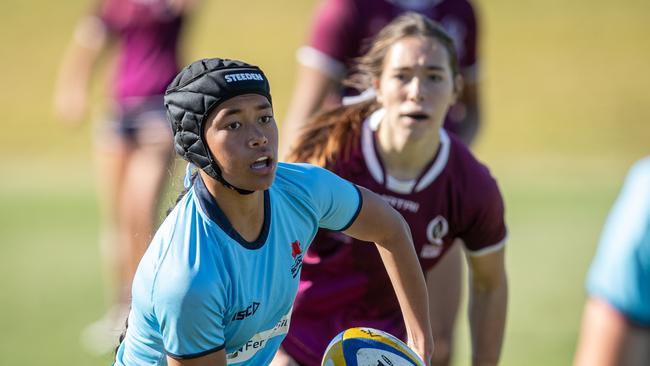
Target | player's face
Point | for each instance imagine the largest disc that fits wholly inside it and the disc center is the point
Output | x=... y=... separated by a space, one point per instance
x=416 y=86
x=242 y=135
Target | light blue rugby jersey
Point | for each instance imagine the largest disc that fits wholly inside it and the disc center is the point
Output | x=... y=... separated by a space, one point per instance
x=200 y=287
x=620 y=272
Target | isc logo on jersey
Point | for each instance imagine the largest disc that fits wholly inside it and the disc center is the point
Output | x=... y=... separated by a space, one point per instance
x=242 y=76
x=368 y=347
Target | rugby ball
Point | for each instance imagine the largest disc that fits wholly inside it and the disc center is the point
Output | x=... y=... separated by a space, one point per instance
x=368 y=347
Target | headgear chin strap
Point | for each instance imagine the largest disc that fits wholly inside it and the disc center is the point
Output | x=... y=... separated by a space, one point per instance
x=195 y=92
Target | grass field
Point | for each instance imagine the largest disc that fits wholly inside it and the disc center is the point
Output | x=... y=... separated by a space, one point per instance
x=566 y=112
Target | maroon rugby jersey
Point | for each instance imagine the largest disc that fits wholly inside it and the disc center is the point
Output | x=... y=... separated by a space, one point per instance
x=148 y=32
x=341 y=26
x=344 y=282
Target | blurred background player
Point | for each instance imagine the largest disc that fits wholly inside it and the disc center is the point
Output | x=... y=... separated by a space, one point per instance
x=339 y=30
x=616 y=320
x=396 y=146
x=133 y=149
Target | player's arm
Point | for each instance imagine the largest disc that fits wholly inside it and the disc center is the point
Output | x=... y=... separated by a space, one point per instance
x=213 y=359
x=603 y=335
x=311 y=88
x=468 y=127
x=282 y=358
x=616 y=321
x=379 y=223
x=321 y=65
x=488 y=305
x=71 y=90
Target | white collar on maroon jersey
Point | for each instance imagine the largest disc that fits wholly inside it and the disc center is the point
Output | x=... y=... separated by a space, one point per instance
x=376 y=168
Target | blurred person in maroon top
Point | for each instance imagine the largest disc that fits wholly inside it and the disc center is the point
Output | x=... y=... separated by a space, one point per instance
x=395 y=146
x=133 y=148
x=340 y=33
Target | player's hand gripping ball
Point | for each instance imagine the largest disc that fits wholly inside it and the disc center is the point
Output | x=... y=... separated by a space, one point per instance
x=368 y=347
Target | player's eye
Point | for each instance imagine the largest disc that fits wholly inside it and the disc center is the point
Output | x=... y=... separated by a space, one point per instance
x=233 y=125
x=400 y=76
x=435 y=77
x=266 y=119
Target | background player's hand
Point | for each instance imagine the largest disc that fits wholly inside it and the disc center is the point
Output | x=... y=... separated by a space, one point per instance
x=283 y=359
x=70 y=105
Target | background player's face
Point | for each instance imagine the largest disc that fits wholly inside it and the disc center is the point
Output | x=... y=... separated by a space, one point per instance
x=242 y=136
x=416 y=86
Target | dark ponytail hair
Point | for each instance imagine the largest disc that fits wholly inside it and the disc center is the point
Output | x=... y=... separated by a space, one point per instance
x=123 y=334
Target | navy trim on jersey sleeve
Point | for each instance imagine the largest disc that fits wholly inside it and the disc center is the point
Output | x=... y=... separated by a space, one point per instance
x=356 y=214
x=195 y=355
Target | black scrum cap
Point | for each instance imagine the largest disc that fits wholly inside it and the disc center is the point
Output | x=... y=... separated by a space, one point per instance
x=195 y=92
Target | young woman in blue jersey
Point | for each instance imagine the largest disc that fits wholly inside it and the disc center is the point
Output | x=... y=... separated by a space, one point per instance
x=616 y=320
x=217 y=284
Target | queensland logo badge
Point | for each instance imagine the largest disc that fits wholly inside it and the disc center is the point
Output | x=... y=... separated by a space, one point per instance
x=296 y=253
x=436 y=231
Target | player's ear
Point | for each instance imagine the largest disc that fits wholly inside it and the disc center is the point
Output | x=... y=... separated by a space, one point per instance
x=459 y=83
x=376 y=84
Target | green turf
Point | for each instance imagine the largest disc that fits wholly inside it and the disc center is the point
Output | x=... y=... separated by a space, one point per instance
x=566 y=112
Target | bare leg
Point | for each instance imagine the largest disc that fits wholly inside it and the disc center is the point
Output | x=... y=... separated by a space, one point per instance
x=111 y=159
x=444 y=285
x=144 y=179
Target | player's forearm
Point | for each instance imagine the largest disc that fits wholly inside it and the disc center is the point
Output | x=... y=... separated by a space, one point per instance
x=468 y=127
x=309 y=93
x=407 y=278
x=379 y=223
x=487 y=316
x=602 y=335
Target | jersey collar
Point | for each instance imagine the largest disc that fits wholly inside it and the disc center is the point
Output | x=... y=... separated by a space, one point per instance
x=376 y=167
x=213 y=211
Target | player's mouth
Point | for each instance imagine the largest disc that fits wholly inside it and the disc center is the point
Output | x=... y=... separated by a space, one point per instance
x=263 y=164
x=415 y=116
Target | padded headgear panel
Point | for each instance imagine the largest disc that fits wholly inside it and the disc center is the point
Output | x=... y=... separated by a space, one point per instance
x=195 y=92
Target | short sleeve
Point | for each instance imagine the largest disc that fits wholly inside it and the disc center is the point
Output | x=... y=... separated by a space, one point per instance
x=486 y=231
x=334 y=31
x=190 y=311
x=337 y=201
x=461 y=24
x=470 y=56
x=620 y=272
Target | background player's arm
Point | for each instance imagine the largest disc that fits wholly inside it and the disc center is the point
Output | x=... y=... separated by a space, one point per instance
x=378 y=222
x=282 y=358
x=468 y=128
x=488 y=306
x=71 y=90
x=311 y=88
x=213 y=359
x=603 y=335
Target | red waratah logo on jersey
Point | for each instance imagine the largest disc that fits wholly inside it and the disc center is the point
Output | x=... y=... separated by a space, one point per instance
x=295 y=249
x=296 y=253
